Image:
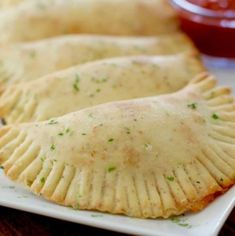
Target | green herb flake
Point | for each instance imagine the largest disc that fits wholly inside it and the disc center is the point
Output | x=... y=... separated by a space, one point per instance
x=52 y=147
x=96 y=215
x=198 y=182
x=33 y=54
x=175 y=220
x=111 y=168
x=110 y=140
x=42 y=180
x=76 y=83
x=99 y=81
x=180 y=222
x=78 y=206
x=128 y=131
x=147 y=146
x=214 y=116
x=221 y=179
x=104 y=80
x=185 y=225
x=2 y=167
x=98 y=90
x=170 y=178
x=67 y=130
x=52 y=122
x=43 y=158
x=193 y=106
x=83 y=134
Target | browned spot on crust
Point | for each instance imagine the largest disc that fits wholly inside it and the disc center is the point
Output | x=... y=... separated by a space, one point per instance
x=132 y=156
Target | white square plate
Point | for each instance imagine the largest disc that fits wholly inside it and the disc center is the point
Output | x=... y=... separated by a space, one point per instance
x=205 y=223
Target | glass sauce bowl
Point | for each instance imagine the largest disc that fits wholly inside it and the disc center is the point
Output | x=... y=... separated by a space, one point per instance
x=210 y=24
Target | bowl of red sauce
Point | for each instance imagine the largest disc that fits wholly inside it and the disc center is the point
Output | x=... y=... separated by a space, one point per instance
x=210 y=24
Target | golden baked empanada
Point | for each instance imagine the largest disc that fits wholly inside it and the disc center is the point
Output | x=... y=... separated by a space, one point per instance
x=149 y=157
x=30 y=61
x=94 y=83
x=32 y=20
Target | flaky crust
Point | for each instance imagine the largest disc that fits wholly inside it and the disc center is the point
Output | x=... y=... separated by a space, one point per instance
x=32 y=20
x=29 y=61
x=150 y=157
x=95 y=83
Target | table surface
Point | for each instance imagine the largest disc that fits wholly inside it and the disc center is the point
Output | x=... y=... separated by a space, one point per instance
x=19 y=223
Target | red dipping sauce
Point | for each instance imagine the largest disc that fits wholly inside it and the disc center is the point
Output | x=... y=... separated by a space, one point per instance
x=211 y=25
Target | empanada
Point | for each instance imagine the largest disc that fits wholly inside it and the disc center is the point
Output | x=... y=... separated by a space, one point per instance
x=149 y=157
x=94 y=83
x=30 y=61
x=32 y=20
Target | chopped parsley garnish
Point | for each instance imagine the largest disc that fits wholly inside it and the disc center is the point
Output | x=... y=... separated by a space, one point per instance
x=76 y=83
x=67 y=130
x=193 y=106
x=78 y=206
x=3 y=121
x=146 y=145
x=180 y=222
x=52 y=122
x=43 y=158
x=99 y=81
x=128 y=131
x=110 y=140
x=98 y=90
x=198 y=182
x=170 y=178
x=175 y=219
x=96 y=215
x=42 y=180
x=83 y=134
x=1 y=167
x=52 y=147
x=221 y=179
x=184 y=224
x=33 y=54
x=111 y=168
x=214 y=116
